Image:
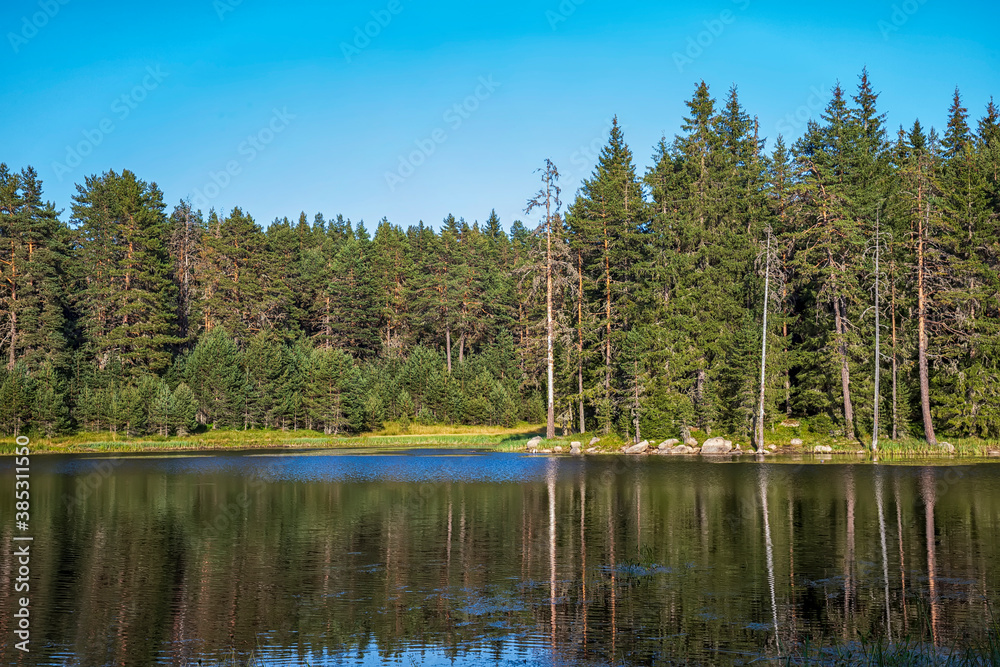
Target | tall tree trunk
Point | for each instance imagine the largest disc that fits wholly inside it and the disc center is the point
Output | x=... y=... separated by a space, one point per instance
x=845 y=372
x=447 y=345
x=878 y=348
x=550 y=420
x=925 y=398
x=607 y=333
x=895 y=374
x=635 y=405
x=759 y=429
x=579 y=330
x=788 y=377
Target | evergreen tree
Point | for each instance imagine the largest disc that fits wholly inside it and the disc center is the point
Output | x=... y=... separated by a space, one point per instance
x=128 y=299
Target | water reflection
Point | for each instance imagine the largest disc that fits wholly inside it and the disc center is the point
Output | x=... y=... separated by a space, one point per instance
x=432 y=558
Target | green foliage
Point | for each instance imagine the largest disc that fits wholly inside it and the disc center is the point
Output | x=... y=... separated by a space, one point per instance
x=134 y=322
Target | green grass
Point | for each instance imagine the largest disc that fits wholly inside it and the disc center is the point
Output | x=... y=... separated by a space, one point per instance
x=417 y=436
x=395 y=435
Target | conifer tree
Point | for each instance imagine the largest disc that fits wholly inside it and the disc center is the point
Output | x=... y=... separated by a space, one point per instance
x=128 y=299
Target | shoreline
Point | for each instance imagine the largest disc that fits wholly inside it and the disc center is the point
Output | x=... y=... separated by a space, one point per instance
x=507 y=440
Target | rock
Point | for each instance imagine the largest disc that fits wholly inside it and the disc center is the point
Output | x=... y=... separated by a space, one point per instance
x=683 y=449
x=993 y=452
x=575 y=451
x=534 y=442
x=797 y=442
x=557 y=448
x=594 y=441
x=592 y=450
x=716 y=446
x=544 y=451
x=575 y=445
x=791 y=423
x=691 y=442
x=641 y=448
x=669 y=443
x=822 y=449
x=947 y=446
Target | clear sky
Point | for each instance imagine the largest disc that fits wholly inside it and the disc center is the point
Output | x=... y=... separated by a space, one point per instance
x=288 y=107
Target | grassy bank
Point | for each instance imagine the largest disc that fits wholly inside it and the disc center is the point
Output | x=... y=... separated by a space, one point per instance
x=778 y=439
x=390 y=437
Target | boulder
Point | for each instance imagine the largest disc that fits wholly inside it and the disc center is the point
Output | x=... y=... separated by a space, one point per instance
x=691 y=442
x=716 y=446
x=575 y=451
x=557 y=448
x=594 y=441
x=592 y=450
x=822 y=449
x=575 y=445
x=534 y=442
x=683 y=449
x=993 y=452
x=797 y=442
x=947 y=446
x=640 y=448
x=666 y=444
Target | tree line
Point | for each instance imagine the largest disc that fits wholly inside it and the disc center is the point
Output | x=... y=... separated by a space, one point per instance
x=645 y=296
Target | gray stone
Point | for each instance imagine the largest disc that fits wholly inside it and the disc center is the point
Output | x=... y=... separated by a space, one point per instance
x=575 y=445
x=683 y=449
x=666 y=444
x=947 y=446
x=640 y=448
x=716 y=446
x=796 y=442
x=691 y=442
x=593 y=450
x=823 y=449
x=575 y=451
x=557 y=448
x=594 y=441
x=534 y=442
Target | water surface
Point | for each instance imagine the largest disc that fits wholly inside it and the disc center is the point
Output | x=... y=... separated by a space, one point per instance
x=465 y=557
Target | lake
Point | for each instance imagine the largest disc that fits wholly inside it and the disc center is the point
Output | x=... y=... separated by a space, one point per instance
x=471 y=557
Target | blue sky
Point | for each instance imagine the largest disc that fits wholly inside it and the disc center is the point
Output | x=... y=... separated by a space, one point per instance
x=443 y=107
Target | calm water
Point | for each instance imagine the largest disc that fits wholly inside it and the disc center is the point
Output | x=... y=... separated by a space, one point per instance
x=438 y=557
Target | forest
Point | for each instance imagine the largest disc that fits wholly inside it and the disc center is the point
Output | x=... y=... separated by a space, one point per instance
x=880 y=249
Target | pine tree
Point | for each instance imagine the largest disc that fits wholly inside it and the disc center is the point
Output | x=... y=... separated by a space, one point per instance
x=608 y=219
x=213 y=373
x=128 y=300
x=33 y=251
